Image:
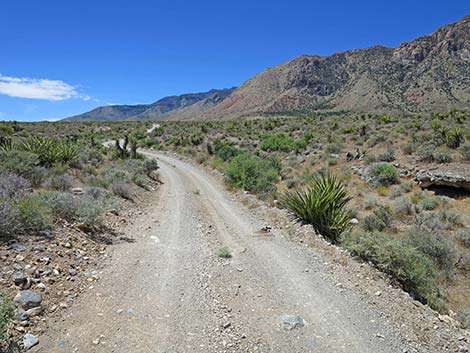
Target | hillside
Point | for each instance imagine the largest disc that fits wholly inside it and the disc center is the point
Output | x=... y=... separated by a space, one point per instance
x=431 y=73
x=165 y=108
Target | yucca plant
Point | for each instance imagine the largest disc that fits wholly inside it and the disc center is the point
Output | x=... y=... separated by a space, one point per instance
x=322 y=204
x=68 y=153
x=51 y=151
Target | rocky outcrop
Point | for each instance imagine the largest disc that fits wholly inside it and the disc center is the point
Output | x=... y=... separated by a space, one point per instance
x=455 y=179
x=431 y=73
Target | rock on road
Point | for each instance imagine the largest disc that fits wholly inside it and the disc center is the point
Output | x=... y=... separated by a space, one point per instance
x=169 y=291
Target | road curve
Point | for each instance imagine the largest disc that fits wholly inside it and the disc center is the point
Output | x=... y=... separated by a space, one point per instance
x=170 y=292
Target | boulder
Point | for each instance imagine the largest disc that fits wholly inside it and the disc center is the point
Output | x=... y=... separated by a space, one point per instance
x=28 y=299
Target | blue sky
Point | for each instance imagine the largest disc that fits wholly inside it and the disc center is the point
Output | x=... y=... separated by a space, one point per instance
x=61 y=58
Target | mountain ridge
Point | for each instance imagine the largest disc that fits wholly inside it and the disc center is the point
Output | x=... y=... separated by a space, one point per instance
x=428 y=74
x=165 y=108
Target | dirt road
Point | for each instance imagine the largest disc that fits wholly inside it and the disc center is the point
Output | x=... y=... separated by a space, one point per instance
x=169 y=291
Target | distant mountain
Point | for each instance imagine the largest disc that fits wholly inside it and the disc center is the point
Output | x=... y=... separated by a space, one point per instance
x=183 y=106
x=431 y=73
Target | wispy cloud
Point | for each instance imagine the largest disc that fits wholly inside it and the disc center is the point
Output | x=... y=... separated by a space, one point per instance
x=52 y=90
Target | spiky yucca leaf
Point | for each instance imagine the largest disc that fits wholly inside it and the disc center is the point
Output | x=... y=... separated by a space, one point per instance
x=51 y=151
x=322 y=204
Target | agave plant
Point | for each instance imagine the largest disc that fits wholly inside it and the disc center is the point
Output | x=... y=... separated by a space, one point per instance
x=322 y=204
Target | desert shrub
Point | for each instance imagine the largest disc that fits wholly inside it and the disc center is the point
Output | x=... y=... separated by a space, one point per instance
x=112 y=176
x=379 y=220
x=388 y=156
x=332 y=161
x=252 y=173
x=464 y=237
x=370 y=158
x=140 y=180
x=406 y=187
x=122 y=189
x=34 y=215
x=334 y=148
x=225 y=151
x=372 y=223
x=438 y=248
x=322 y=204
x=12 y=185
x=403 y=207
x=90 y=210
x=441 y=157
x=440 y=220
x=224 y=253
x=426 y=151
x=9 y=219
x=414 y=270
x=37 y=176
x=7 y=310
x=282 y=143
x=408 y=148
x=292 y=183
x=370 y=202
x=61 y=182
x=464 y=317
x=18 y=162
x=150 y=166
x=428 y=204
x=396 y=191
x=96 y=192
x=384 y=174
x=87 y=209
x=63 y=205
x=465 y=151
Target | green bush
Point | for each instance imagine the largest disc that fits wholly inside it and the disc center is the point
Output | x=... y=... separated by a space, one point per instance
x=224 y=253
x=465 y=151
x=62 y=205
x=440 y=249
x=140 y=180
x=18 y=162
x=225 y=151
x=384 y=174
x=150 y=166
x=373 y=223
x=122 y=189
x=6 y=315
x=388 y=156
x=381 y=219
x=252 y=173
x=403 y=207
x=34 y=215
x=442 y=157
x=322 y=204
x=90 y=210
x=282 y=143
x=414 y=270
x=428 y=204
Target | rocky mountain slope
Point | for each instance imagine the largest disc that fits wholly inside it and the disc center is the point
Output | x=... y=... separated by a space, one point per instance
x=431 y=73
x=185 y=105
